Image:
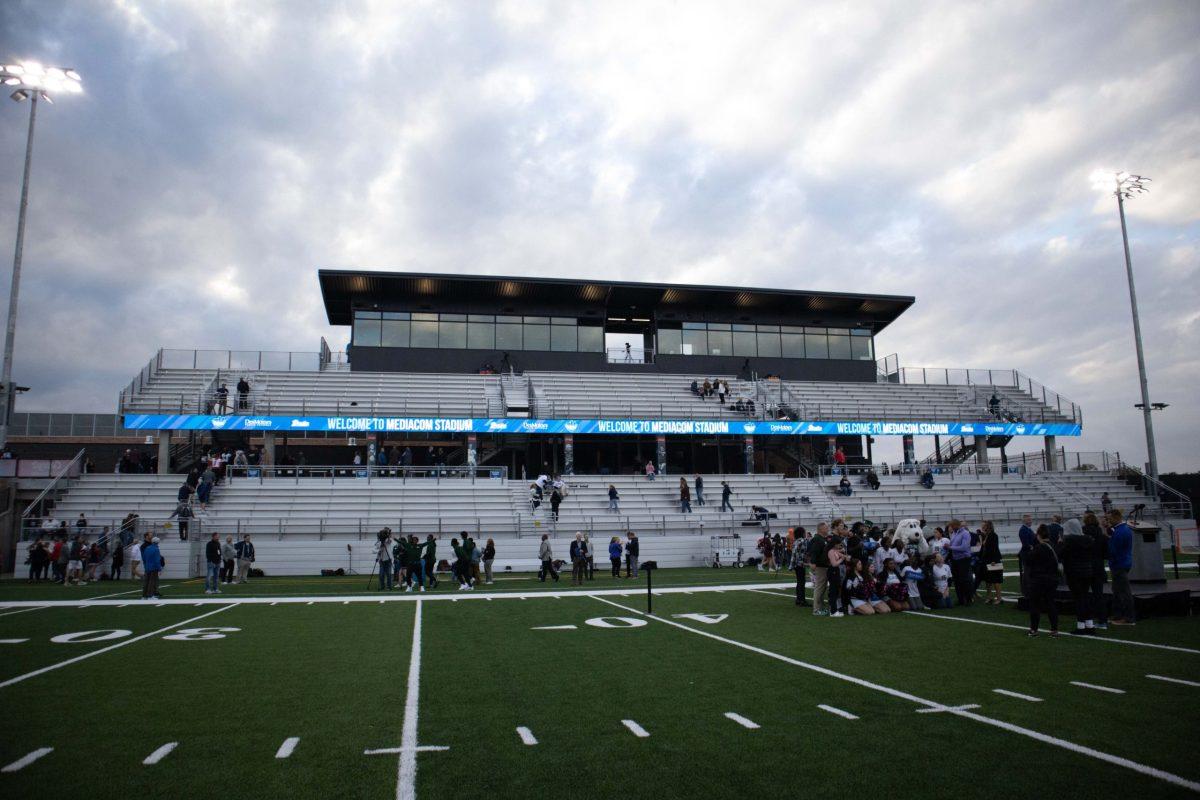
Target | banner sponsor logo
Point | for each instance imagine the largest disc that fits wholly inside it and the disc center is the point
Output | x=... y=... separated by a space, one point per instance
x=656 y=427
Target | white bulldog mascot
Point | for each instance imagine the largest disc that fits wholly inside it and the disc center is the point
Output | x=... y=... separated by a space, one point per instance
x=909 y=531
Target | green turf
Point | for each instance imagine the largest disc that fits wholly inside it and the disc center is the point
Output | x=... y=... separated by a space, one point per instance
x=335 y=676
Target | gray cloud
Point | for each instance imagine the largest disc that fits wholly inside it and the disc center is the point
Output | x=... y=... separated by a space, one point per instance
x=223 y=152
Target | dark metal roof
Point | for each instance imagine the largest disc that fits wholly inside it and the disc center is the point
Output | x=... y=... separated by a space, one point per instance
x=343 y=289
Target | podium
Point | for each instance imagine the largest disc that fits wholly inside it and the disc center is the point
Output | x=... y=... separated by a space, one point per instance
x=1147 y=554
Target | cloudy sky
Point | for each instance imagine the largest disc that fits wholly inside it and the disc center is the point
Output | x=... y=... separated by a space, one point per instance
x=225 y=150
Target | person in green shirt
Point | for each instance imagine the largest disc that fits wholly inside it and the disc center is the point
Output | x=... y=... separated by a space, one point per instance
x=430 y=549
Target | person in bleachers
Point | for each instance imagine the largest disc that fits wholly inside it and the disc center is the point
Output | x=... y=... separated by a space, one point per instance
x=406 y=456
x=614 y=499
x=750 y=407
x=685 y=497
x=243 y=392
x=706 y=389
x=381 y=457
x=722 y=390
x=994 y=405
x=699 y=491
x=725 y=493
x=535 y=497
x=873 y=479
x=651 y=471
x=555 y=502
x=222 y=399
x=739 y=406
x=696 y=389
x=927 y=478
x=844 y=488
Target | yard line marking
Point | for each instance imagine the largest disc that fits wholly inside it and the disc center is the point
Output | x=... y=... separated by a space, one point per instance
x=1172 y=680
x=274 y=604
x=13 y=641
x=1110 y=640
x=1100 y=755
x=1108 y=689
x=526 y=735
x=391 y=751
x=161 y=753
x=121 y=643
x=365 y=597
x=1018 y=695
x=740 y=720
x=27 y=759
x=848 y=715
x=21 y=611
x=966 y=707
x=118 y=594
x=406 y=770
x=285 y=749
x=555 y=628
x=635 y=729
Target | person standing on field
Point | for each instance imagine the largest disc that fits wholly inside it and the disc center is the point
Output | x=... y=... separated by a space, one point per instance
x=818 y=562
x=489 y=555
x=614 y=556
x=546 y=555
x=632 y=551
x=153 y=561
x=578 y=560
x=245 y=557
x=228 y=557
x=212 y=558
x=1120 y=561
x=430 y=550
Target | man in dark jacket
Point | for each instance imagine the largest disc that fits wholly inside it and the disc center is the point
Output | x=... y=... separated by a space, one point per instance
x=1077 y=552
x=1041 y=582
x=725 y=493
x=212 y=557
x=184 y=512
x=579 y=551
x=243 y=392
x=632 y=551
x=245 y=557
x=818 y=562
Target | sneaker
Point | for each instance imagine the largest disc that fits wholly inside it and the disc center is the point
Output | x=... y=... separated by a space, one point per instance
x=216 y=591
x=422 y=588
x=1032 y=634
x=818 y=612
x=837 y=614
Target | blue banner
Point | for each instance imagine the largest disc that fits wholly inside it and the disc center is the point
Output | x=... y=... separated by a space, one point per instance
x=678 y=427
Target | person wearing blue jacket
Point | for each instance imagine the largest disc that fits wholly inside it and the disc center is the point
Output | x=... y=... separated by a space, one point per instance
x=1120 y=561
x=152 y=562
x=614 y=555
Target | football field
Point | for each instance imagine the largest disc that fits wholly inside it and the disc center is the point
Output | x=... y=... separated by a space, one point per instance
x=305 y=688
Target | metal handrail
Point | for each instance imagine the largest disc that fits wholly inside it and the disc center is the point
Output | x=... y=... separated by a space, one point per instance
x=1179 y=505
x=959 y=376
x=73 y=464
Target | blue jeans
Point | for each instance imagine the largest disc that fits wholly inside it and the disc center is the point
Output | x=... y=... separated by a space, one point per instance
x=685 y=506
x=210 y=576
x=385 y=574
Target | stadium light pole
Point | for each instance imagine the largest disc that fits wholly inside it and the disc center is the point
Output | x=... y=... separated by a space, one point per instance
x=29 y=81
x=1125 y=187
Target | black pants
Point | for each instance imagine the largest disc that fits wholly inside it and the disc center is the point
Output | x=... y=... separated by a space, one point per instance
x=117 y=562
x=547 y=569
x=228 y=570
x=150 y=585
x=960 y=569
x=800 y=601
x=1099 y=602
x=616 y=569
x=1081 y=593
x=1041 y=599
x=725 y=504
x=834 y=576
x=429 y=565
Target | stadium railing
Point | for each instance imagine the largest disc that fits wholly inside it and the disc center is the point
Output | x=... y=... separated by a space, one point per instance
x=951 y=376
x=363 y=472
x=61 y=481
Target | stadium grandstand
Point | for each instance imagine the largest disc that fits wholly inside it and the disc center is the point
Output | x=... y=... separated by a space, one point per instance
x=457 y=393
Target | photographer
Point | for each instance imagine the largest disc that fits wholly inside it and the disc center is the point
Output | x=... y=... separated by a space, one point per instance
x=385 y=558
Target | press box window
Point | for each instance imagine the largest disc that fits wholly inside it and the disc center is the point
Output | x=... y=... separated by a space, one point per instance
x=366 y=328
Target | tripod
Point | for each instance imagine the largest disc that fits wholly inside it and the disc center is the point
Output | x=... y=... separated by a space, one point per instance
x=350 y=560
x=374 y=573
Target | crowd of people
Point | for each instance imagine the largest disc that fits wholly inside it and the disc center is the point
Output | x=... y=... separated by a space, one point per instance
x=865 y=570
x=408 y=561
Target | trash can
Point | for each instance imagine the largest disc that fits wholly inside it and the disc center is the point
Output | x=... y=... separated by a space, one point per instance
x=1147 y=555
